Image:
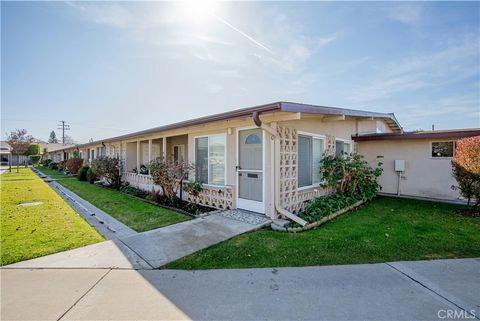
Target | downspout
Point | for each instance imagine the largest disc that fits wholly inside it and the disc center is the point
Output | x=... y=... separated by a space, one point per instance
x=276 y=157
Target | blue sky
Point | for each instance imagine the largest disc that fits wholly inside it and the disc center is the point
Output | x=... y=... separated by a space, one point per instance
x=110 y=68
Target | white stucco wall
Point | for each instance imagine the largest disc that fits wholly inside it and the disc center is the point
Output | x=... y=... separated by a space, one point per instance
x=424 y=176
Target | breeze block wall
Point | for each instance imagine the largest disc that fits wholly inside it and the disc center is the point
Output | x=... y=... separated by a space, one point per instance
x=291 y=198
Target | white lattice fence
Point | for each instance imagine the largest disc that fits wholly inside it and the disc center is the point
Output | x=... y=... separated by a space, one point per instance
x=218 y=197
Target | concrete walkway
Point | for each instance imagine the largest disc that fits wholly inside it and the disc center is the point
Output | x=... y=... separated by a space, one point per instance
x=153 y=249
x=147 y=250
x=423 y=290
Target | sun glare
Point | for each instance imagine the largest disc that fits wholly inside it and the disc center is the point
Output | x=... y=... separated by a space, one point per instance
x=198 y=11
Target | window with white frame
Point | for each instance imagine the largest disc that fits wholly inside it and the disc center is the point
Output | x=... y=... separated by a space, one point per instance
x=310 y=151
x=342 y=146
x=210 y=159
x=443 y=149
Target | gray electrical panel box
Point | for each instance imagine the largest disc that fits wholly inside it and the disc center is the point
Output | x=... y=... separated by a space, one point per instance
x=399 y=165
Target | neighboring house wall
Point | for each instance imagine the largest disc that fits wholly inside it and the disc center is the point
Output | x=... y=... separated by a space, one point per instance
x=424 y=175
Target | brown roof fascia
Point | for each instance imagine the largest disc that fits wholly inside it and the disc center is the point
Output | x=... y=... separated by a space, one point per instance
x=417 y=135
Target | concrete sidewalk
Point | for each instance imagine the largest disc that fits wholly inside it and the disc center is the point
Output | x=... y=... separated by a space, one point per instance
x=155 y=248
x=423 y=290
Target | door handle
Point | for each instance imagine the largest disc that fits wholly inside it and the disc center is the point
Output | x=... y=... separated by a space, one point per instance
x=238 y=168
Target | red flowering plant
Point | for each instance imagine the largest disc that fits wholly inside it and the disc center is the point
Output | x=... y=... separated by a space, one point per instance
x=73 y=164
x=168 y=174
x=466 y=169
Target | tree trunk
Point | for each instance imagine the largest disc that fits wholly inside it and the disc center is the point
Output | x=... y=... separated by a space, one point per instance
x=18 y=161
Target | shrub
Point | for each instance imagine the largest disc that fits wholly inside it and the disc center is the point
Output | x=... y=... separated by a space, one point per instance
x=46 y=162
x=350 y=175
x=168 y=174
x=193 y=189
x=466 y=169
x=73 y=164
x=133 y=191
x=33 y=149
x=108 y=168
x=91 y=175
x=35 y=159
x=82 y=173
x=53 y=165
x=323 y=206
x=61 y=166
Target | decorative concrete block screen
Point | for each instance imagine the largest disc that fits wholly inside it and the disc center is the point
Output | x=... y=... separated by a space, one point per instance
x=218 y=197
x=290 y=198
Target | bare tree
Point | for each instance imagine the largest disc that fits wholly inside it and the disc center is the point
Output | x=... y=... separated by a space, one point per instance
x=68 y=140
x=19 y=142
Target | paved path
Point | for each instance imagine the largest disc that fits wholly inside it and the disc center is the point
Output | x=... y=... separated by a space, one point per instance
x=151 y=249
x=423 y=290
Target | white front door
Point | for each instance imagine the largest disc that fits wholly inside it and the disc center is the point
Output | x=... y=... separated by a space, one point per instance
x=250 y=172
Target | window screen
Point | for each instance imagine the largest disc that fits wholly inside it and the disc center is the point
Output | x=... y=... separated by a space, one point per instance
x=216 y=160
x=304 y=161
x=201 y=159
x=210 y=160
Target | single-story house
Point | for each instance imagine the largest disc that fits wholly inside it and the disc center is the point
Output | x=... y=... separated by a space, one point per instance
x=263 y=159
x=58 y=152
x=415 y=163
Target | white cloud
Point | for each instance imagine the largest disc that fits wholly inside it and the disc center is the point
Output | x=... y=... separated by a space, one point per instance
x=109 y=14
x=408 y=13
x=446 y=66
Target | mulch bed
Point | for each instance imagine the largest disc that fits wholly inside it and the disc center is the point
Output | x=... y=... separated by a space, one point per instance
x=468 y=212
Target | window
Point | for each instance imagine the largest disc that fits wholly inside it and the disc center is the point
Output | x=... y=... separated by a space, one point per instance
x=342 y=146
x=443 y=149
x=253 y=139
x=310 y=150
x=210 y=159
x=178 y=153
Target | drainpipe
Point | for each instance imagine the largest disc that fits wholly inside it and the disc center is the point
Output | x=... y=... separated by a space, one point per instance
x=276 y=156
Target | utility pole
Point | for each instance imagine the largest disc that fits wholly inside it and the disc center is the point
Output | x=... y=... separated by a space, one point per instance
x=63 y=126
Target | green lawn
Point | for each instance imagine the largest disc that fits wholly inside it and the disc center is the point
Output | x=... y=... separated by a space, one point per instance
x=29 y=232
x=138 y=215
x=386 y=229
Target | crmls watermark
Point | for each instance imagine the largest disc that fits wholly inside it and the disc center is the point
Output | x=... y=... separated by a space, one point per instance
x=455 y=314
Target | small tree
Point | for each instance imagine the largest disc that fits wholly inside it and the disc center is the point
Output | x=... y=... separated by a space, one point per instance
x=108 y=168
x=33 y=149
x=19 y=142
x=53 y=138
x=168 y=174
x=466 y=169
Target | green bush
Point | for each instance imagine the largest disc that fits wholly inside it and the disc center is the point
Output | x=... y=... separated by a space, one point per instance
x=352 y=179
x=53 y=165
x=109 y=169
x=320 y=207
x=46 y=162
x=133 y=191
x=82 y=173
x=350 y=175
x=91 y=176
x=61 y=166
x=33 y=149
x=35 y=159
